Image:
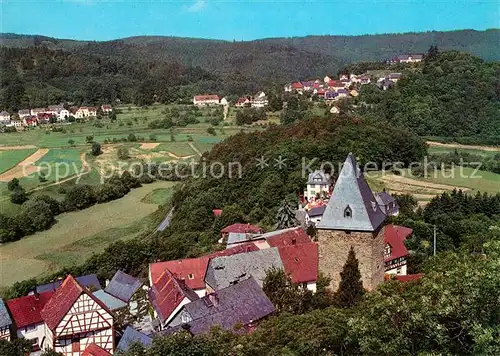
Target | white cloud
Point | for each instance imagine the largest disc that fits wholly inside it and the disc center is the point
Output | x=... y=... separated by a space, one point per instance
x=197 y=6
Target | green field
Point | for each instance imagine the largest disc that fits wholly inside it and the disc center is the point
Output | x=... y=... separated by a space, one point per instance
x=9 y=159
x=77 y=235
x=482 y=181
x=444 y=150
x=158 y=196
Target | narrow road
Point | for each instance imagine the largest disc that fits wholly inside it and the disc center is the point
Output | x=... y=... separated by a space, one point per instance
x=166 y=222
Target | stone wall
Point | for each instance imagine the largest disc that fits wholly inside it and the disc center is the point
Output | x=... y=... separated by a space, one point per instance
x=334 y=247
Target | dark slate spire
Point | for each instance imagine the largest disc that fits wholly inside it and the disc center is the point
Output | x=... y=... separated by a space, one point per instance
x=352 y=205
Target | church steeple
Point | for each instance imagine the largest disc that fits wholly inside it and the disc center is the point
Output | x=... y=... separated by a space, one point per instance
x=352 y=206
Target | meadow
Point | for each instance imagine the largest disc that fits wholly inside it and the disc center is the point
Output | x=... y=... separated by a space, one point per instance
x=9 y=159
x=78 y=234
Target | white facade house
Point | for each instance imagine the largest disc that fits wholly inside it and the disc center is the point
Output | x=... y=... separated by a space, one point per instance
x=85 y=111
x=63 y=114
x=16 y=123
x=260 y=100
x=4 y=117
x=318 y=182
x=224 y=102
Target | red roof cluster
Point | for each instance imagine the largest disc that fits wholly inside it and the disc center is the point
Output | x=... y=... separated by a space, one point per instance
x=27 y=310
x=301 y=262
x=289 y=237
x=192 y=270
x=242 y=229
x=94 y=350
x=63 y=299
x=297 y=85
x=395 y=236
x=335 y=83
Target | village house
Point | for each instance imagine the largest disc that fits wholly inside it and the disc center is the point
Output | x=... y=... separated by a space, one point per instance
x=243 y=102
x=206 y=100
x=395 y=252
x=224 y=101
x=318 y=184
x=4 y=118
x=30 y=121
x=299 y=261
x=342 y=93
x=88 y=281
x=407 y=58
x=298 y=87
x=167 y=296
x=394 y=77
x=192 y=270
x=85 y=111
x=131 y=336
x=36 y=111
x=335 y=85
x=363 y=80
x=278 y=238
x=242 y=304
x=331 y=96
x=27 y=319
x=316 y=213
x=260 y=100
x=74 y=318
x=5 y=322
x=123 y=287
x=327 y=79
x=106 y=108
x=240 y=228
x=24 y=112
x=387 y=203
x=18 y=124
x=308 y=86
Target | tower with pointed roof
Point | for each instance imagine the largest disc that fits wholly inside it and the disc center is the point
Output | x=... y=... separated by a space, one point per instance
x=352 y=218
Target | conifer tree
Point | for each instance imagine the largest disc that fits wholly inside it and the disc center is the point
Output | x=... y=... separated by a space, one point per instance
x=350 y=288
x=286 y=217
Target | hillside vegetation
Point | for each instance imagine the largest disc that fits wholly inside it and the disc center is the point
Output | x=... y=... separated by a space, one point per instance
x=452 y=94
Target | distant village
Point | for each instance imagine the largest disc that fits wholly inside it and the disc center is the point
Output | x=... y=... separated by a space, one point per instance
x=77 y=316
x=327 y=89
x=51 y=114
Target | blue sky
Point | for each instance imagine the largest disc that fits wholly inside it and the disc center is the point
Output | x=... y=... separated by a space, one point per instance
x=243 y=19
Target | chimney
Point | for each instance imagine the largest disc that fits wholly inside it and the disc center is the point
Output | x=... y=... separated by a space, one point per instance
x=36 y=294
x=294 y=241
x=214 y=299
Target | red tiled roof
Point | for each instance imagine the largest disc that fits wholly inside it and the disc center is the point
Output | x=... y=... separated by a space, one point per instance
x=95 y=350
x=289 y=237
x=26 y=310
x=395 y=236
x=300 y=262
x=63 y=299
x=242 y=100
x=297 y=85
x=408 y=277
x=335 y=83
x=217 y=212
x=167 y=293
x=242 y=228
x=206 y=97
x=106 y=107
x=196 y=267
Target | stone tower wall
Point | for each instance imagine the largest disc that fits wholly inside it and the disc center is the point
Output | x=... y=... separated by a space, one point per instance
x=334 y=247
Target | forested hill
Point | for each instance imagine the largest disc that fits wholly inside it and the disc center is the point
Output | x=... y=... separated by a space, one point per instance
x=281 y=55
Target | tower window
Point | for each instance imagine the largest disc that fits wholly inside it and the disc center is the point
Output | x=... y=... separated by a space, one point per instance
x=347 y=212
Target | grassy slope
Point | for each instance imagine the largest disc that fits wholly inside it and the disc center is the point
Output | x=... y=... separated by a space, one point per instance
x=77 y=235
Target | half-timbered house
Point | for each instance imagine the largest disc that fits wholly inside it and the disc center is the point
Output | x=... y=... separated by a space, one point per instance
x=74 y=319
